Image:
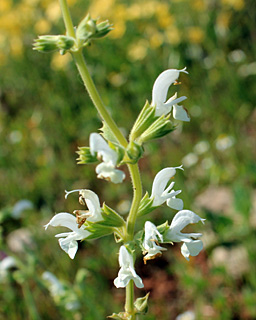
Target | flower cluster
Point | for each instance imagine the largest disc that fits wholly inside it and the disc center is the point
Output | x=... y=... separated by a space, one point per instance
x=99 y=221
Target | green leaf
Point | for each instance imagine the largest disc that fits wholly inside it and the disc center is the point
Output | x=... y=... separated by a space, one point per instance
x=107 y=133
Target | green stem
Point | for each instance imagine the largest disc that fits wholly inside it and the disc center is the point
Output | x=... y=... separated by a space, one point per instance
x=137 y=195
x=130 y=299
x=67 y=19
x=94 y=95
x=133 y=168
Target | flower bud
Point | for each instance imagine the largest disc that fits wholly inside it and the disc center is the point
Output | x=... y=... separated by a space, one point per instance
x=50 y=43
x=46 y=43
x=141 y=304
x=89 y=29
x=85 y=156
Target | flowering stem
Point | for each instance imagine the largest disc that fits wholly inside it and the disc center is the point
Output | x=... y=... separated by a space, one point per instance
x=133 y=168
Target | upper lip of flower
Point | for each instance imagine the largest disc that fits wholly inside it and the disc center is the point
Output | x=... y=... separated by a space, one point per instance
x=160 y=91
x=159 y=193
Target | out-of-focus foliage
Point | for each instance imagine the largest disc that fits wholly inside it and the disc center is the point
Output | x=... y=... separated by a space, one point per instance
x=45 y=115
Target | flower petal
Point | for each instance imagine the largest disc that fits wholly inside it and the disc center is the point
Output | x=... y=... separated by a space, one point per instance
x=191 y=248
x=183 y=218
x=70 y=248
x=159 y=184
x=180 y=113
x=108 y=172
x=63 y=219
x=162 y=84
x=100 y=146
x=93 y=204
x=175 y=203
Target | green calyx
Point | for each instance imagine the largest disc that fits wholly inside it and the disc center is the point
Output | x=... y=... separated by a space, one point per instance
x=89 y=29
x=48 y=43
x=141 y=304
x=111 y=222
x=85 y=156
x=148 y=126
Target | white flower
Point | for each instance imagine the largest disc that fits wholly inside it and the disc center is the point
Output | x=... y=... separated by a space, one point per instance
x=55 y=286
x=68 y=240
x=160 y=194
x=180 y=221
x=127 y=272
x=159 y=95
x=5 y=265
x=150 y=243
x=105 y=170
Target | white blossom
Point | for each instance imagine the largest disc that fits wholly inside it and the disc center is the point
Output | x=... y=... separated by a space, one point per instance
x=191 y=246
x=105 y=170
x=159 y=95
x=150 y=243
x=5 y=265
x=127 y=272
x=68 y=240
x=160 y=193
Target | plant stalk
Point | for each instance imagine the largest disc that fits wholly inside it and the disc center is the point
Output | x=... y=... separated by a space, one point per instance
x=133 y=168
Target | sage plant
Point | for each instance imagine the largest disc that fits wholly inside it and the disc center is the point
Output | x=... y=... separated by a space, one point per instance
x=110 y=149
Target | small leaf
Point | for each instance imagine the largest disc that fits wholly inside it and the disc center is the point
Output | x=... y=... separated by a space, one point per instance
x=107 y=133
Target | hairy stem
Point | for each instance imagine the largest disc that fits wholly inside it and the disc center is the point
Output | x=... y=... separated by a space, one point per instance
x=133 y=168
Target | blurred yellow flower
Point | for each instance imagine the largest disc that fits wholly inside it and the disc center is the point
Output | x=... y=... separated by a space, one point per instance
x=236 y=4
x=59 y=62
x=223 y=20
x=173 y=35
x=5 y=5
x=42 y=26
x=134 y=11
x=16 y=46
x=119 y=30
x=199 y=5
x=53 y=12
x=102 y=8
x=156 y=39
x=195 y=35
x=163 y=16
x=138 y=50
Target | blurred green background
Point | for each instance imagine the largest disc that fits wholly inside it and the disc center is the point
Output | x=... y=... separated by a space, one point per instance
x=45 y=114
